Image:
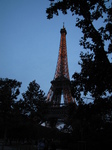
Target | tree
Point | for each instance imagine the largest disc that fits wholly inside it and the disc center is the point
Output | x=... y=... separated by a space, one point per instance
x=9 y=90
x=96 y=68
x=27 y=113
x=33 y=100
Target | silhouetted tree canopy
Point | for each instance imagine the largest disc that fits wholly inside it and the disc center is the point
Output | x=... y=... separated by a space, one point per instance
x=9 y=90
x=96 y=67
x=33 y=100
x=20 y=118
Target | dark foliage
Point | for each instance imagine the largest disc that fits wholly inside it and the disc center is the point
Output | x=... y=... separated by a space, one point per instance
x=33 y=101
x=20 y=119
x=9 y=90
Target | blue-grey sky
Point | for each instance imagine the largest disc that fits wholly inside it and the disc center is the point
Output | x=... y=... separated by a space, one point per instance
x=29 y=42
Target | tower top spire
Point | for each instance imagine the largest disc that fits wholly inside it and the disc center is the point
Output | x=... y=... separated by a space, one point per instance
x=63 y=30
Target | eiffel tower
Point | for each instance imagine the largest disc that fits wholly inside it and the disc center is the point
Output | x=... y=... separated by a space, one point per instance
x=60 y=85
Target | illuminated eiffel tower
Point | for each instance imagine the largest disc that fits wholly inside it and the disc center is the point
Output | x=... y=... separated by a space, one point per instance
x=61 y=86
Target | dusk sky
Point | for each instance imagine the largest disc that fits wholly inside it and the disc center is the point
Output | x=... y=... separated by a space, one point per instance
x=29 y=42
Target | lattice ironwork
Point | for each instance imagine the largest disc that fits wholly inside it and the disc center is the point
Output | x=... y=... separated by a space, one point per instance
x=62 y=63
x=61 y=82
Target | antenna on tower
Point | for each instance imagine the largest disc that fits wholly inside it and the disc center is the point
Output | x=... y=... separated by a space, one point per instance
x=63 y=25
